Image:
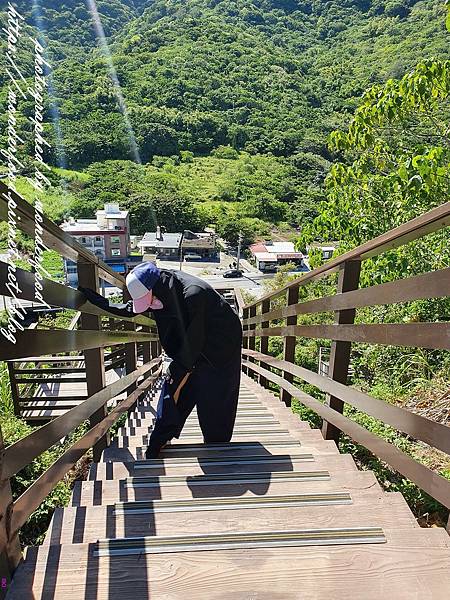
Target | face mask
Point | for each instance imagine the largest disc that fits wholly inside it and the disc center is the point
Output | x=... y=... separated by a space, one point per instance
x=156 y=304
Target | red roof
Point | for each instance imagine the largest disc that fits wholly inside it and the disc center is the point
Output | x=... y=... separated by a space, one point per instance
x=259 y=247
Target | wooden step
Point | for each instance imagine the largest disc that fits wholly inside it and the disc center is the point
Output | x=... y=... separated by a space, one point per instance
x=196 y=466
x=134 y=519
x=411 y=564
x=108 y=492
x=113 y=453
x=263 y=434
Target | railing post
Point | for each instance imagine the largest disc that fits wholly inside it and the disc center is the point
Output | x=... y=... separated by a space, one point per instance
x=340 y=351
x=290 y=342
x=94 y=359
x=14 y=389
x=131 y=348
x=10 y=551
x=245 y=339
x=264 y=344
x=251 y=340
x=146 y=346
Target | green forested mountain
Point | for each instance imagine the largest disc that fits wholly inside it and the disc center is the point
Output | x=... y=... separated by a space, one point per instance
x=266 y=76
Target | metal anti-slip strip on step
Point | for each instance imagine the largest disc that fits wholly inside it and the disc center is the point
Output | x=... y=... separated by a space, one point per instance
x=253 y=422
x=225 y=479
x=180 y=447
x=257 y=430
x=232 y=541
x=221 y=461
x=212 y=504
x=237 y=432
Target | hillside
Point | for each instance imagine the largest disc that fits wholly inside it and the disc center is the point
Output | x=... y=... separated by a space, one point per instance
x=261 y=76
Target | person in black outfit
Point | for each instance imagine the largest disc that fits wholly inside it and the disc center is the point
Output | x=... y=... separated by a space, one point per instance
x=202 y=335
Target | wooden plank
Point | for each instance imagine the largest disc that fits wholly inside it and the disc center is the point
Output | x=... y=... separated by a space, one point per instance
x=433 y=433
x=47 y=341
x=33 y=380
x=88 y=524
x=427 y=285
x=50 y=359
x=52 y=371
x=433 y=484
x=413 y=564
x=434 y=220
x=91 y=493
x=267 y=448
x=239 y=300
x=418 y=335
x=240 y=464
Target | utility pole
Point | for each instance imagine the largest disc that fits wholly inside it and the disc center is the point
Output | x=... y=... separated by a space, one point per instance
x=181 y=251
x=239 y=251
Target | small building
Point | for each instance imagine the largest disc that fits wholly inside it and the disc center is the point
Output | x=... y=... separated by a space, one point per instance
x=107 y=236
x=204 y=245
x=170 y=246
x=158 y=244
x=327 y=248
x=269 y=256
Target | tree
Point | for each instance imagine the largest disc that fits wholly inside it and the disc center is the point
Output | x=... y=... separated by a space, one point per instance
x=399 y=150
x=231 y=229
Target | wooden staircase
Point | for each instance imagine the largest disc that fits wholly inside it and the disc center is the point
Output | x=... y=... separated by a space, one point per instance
x=277 y=514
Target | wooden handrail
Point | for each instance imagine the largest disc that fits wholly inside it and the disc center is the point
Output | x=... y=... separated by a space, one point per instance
x=24 y=451
x=438 y=487
x=419 y=287
x=59 y=295
x=30 y=500
x=261 y=326
x=430 y=432
x=54 y=237
x=84 y=334
x=432 y=221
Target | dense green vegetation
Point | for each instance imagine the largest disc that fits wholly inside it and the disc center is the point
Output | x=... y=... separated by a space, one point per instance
x=321 y=115
x=260 y=77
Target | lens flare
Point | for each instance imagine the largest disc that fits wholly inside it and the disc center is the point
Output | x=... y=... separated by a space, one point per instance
x=92 y=7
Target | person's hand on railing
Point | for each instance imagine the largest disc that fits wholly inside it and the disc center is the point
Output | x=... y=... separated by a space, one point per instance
x=118 y=310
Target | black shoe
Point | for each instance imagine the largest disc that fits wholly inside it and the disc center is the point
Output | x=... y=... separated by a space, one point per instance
x=152 y=453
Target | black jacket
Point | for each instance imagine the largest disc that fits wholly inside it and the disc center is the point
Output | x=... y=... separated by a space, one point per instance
x=195 y=324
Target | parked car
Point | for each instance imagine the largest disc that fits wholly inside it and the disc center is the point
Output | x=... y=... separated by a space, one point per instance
x=232 y=274
x=192 y=256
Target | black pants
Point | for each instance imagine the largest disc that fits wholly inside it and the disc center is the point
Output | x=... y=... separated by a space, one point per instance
x=215 y=392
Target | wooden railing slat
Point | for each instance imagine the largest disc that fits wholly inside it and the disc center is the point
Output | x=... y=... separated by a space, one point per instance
x=48 y=341
x=30 y=500
x=435 y=485
x=19 y=455
x=433 y=433
x=419 y=287
x=417 y=335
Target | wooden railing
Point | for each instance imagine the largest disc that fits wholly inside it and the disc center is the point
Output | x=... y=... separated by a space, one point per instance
x=86 y=343
x=258 y=326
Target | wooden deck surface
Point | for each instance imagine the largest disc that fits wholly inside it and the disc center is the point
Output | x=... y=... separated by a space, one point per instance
x=278 y=514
